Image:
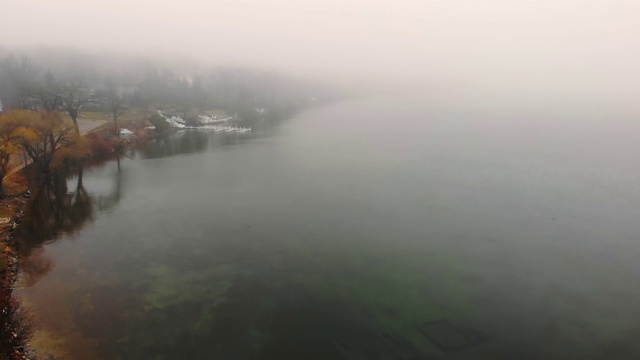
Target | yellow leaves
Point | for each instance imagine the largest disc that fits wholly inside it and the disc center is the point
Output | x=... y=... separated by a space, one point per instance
x=45 y=136
x=9 y=148
x=17 y=118
x=16 y=126
x=25 y=126
x=39 y=121
x=76 y=148
x=9 y=132
x=25 y=134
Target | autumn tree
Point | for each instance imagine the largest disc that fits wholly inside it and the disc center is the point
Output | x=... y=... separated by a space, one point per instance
x=10 y=130
x=46 y=137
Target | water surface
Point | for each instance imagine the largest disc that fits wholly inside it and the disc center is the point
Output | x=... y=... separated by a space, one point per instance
x=515 y=225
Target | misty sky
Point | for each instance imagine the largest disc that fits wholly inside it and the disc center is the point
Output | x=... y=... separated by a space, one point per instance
x=570 y=43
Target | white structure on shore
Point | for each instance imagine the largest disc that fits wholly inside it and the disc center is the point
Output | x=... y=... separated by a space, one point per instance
x=221 y=128
x=178 y=122
x=125 y=133
x=174 y=121
x=203 y=119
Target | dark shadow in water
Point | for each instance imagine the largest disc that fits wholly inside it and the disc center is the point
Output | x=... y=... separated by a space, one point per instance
x=189 y=142
x=109 y=202
x=59 y=207
x=181 y=143
x=55 y=209
x=52 y=211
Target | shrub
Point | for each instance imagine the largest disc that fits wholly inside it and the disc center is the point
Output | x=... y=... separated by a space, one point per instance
x=98 y=145
x=160 y=123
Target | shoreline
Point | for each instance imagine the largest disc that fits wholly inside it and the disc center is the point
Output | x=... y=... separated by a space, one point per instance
x=35 y=343
x=17 y=330
x=13 y=345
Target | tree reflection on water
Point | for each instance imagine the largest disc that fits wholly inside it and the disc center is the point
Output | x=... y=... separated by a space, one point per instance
x=53 y=211
x=61 y=205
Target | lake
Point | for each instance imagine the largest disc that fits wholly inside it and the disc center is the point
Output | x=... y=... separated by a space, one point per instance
x=378 y=228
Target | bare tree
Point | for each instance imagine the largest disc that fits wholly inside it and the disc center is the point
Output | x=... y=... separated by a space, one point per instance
x=115 y=103
x=17 y=74
x=47 y=94
x=43 y=134
x=74 y=96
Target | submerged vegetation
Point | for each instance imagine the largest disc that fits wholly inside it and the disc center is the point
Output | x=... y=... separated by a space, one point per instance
x=53 y=119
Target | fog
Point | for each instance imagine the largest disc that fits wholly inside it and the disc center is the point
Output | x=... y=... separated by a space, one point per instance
x=584 y=47
x=288 y=179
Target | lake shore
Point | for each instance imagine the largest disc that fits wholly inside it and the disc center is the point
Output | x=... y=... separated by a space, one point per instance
x=15 y=321
x=12 y=318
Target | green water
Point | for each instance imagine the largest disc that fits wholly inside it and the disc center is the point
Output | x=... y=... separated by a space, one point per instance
x=518 y=226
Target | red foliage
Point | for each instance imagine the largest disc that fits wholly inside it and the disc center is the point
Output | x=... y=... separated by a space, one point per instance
x=98 y=144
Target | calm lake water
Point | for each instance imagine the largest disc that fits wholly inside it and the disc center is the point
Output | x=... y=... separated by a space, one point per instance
x=381 y=228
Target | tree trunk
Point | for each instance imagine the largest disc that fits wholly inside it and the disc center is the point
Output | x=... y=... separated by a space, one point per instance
x=74 y=118
x=4 y=170
x=2 y=174
x=115 y=123
x=80 y=172
x=52 y=142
